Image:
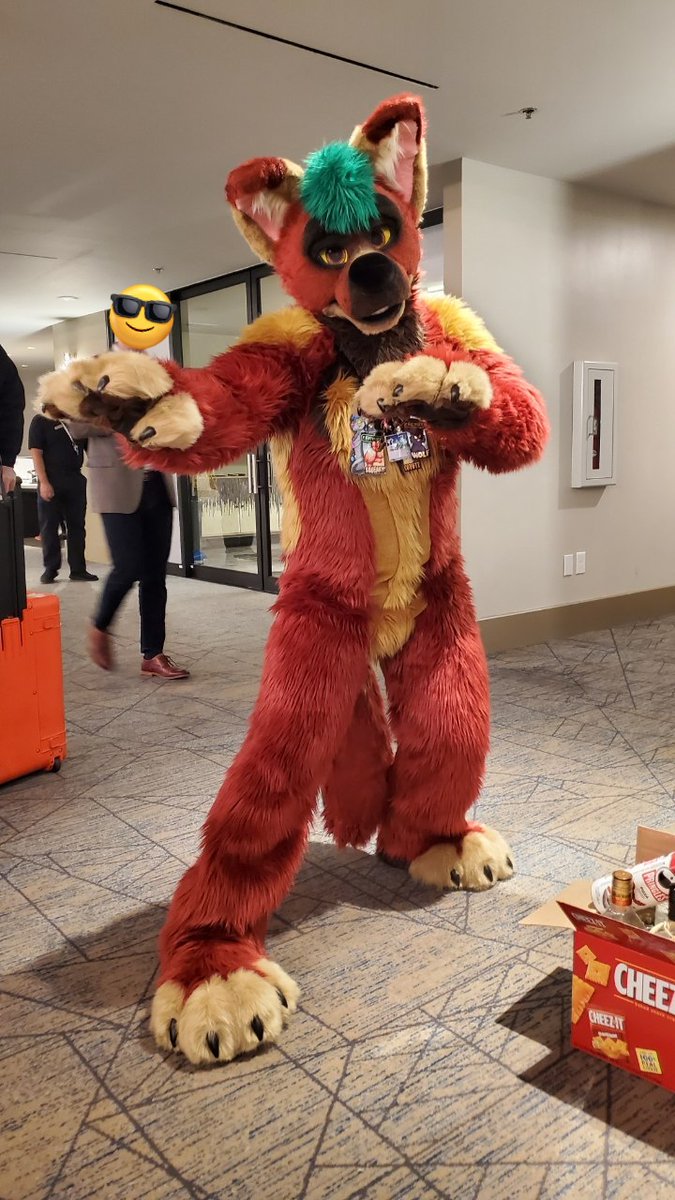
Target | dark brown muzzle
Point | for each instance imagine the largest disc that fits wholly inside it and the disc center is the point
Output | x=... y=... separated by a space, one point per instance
x=376 y=284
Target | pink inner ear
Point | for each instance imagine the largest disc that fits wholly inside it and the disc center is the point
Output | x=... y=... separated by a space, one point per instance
x=407 y=153
x=265 y=209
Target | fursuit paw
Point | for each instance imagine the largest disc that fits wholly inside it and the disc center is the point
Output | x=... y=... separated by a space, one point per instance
x=476 y=864
x=123 y=393
x=223 y=1018
x=426 y=388
x=110 y=390
x=173 y=423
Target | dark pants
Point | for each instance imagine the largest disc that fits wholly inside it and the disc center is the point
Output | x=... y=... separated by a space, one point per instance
x=139 y=545
x=68 y=506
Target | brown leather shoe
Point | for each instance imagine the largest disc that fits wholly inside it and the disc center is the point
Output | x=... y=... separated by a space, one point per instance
x=163 y=666
x=101 y=648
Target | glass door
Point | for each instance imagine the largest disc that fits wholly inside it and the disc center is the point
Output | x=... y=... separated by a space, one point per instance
x=223 y=541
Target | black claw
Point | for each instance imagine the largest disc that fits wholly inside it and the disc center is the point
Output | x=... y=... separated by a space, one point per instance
x=456 y=878
x=173 y=1032
x=258 y=1028
x=509 y=863
x=283 y=999
x=102 y=383
x=213 y=1043
x=148 y=432
x=454 y=393
x=487 y=871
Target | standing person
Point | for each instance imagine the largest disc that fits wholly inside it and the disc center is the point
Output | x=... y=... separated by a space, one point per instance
x=136 y=507
x=62 y=496
x=12 y=404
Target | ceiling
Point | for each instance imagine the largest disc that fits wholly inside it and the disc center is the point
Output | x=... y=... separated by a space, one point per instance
x=125 y=119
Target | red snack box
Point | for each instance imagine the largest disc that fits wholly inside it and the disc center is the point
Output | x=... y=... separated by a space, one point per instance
x=623 y=983
x=629 y=1020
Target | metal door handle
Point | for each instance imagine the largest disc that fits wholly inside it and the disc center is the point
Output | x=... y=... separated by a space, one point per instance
x=252 y=474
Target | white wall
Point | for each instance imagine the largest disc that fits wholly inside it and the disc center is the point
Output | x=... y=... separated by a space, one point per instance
x=29 y=378
x=561 y=272
x=80 y=337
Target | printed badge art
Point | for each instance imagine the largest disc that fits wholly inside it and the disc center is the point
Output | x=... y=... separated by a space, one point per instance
x=377 y=443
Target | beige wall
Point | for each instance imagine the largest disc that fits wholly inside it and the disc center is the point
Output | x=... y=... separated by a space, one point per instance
x=29 y=378
x=560 y=272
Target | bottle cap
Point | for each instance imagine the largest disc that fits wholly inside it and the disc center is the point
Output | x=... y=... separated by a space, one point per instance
x=622 y=888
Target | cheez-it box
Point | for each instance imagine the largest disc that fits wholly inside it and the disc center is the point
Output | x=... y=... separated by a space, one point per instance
x=623 y=981
x=623 y=995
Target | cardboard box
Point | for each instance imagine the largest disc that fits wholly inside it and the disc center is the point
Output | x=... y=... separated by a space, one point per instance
x=623 y=982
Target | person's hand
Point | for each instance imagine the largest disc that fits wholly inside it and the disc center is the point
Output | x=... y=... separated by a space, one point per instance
x=46 y=490
x=8 y=479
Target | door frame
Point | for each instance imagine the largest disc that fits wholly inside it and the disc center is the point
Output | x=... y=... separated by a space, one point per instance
x=261 y=579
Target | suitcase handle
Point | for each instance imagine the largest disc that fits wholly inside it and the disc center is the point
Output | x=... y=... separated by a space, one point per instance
x=13 y=575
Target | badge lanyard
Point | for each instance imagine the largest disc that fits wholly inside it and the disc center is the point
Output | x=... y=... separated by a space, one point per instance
x=375 y=441
x=71 y=438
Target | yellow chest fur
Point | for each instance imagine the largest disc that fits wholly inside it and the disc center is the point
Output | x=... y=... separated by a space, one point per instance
x=398 y=507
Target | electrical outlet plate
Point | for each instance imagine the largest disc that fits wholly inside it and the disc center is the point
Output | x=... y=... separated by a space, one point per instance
x=568 y=564
x=581 y=562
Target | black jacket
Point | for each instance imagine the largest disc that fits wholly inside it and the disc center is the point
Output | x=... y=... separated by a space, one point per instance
x=12 y=404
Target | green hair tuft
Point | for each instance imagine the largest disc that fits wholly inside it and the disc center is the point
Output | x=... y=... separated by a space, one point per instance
x=338 y=188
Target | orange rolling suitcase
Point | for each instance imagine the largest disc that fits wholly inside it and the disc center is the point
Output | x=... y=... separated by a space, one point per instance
x=32 y=716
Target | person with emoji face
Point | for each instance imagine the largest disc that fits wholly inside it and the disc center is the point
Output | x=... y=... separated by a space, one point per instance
x=140 y=317
x=136 y=506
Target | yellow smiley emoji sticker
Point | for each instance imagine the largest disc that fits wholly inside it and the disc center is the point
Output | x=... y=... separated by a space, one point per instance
x=141 y=316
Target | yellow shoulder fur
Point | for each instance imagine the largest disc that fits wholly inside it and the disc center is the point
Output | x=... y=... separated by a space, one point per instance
x=460 y=322
x=294 y=325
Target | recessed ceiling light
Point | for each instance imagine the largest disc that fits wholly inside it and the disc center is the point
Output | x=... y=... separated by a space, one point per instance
x=68 y=297
x=23 y=364
x=30 y=347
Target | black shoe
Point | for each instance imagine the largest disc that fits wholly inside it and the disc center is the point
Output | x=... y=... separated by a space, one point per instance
x=48 y=576
x=83 y=577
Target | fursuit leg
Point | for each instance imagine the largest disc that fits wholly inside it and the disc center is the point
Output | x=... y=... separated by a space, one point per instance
x=218 y=995
x=440 y=715
x=355 y=795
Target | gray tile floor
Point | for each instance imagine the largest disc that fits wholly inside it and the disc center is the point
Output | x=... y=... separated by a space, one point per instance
x=431 y=1056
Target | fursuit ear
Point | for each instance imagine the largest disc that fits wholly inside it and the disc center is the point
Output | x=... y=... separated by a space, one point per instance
x=261 y=192
x=393 y=137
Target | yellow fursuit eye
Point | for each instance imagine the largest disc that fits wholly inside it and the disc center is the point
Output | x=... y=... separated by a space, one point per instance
x=334 y=256
x=380 y=236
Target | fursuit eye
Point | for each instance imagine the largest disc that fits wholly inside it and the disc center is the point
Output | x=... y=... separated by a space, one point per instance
x=381 y=236
x=334 y=256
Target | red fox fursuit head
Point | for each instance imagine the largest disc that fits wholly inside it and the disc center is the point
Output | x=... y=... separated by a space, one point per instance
x=374 y=574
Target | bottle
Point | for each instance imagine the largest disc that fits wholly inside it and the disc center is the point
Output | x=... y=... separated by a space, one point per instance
x=620 y=906
x=666 y=928
x=651 y=884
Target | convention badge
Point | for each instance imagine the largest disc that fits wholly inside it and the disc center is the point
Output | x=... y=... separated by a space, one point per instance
x=410 y=464
x=418 y=442
x=373 y=452
x=356 y=460
x=396 y=441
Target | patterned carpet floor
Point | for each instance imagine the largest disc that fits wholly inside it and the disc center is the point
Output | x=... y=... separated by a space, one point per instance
x=430 y=1056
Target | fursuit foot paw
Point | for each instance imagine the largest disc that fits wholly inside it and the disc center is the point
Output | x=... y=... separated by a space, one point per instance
x=475 y=864
x=223 y=1018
